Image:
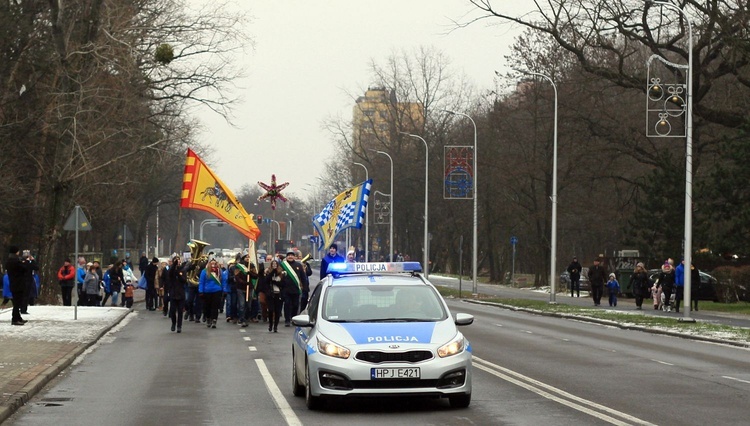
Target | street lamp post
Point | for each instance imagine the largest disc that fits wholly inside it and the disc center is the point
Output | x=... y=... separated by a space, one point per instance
x=278 y=231
x=426 y=258
x=390 y=210
x=367 y=217
x=553 y=241
x=687 y=254
x=390 y=245
x=209 y=222
x=158 y=203
x=475 y=243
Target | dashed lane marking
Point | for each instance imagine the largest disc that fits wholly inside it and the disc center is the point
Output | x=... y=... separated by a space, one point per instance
x=736 y=379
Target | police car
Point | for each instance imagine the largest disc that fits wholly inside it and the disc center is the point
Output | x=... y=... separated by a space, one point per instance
x=379 y=329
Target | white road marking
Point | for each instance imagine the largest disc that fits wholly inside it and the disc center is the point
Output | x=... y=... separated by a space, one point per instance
x=498 y=325
x=661 y=362
x=246 y=338
x=284 y=408
x=252 y=348
x=733 y=378
x=527 y=332
x=242 y=330
x=547 y=391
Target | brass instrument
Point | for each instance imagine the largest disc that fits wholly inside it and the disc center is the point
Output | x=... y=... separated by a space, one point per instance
x=197 y=261
x=306 y=258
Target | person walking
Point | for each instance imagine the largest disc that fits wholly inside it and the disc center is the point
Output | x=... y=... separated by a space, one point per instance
x=210 y=290
x=29 y=276
x=274 y=276
x=574 y=270
x=597 y=278
x=150 y=274
x=292 y=286
x=666 y=283
x=175 y=287
x=640 y=285
x=614 y=288
x=305 y=285
x=66 y=276
x=15 y=270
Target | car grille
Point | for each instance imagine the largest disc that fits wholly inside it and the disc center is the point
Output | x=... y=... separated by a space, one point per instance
x=393 y=384
x=377 y=357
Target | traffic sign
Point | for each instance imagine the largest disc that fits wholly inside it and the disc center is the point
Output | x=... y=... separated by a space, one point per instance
x=513 y=240
x=83 y=222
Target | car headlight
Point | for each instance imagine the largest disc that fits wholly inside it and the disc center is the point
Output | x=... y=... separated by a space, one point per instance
x=455 y=346
x=331 y=349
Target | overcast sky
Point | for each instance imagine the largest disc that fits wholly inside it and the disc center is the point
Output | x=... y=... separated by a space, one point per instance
x=309 y=55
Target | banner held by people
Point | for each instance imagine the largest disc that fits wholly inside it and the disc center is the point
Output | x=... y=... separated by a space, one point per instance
x=203 y=190
x=346 y=210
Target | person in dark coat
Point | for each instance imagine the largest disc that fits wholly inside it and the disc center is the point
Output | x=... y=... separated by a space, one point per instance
x=292 y=287
x=695 y=285
x=150 y=274
x=30 y=267
x=666 y=282
x=574 y=269
x=274 y=276
x=640 y=285
x=175 y=286
x=597 y=278
x=15 y=270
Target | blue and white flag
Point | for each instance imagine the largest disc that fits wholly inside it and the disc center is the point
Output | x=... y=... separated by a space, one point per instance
x=347 y=210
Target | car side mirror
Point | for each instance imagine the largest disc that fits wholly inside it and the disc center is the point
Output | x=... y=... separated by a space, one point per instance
x=464 y=319
x=302 y=321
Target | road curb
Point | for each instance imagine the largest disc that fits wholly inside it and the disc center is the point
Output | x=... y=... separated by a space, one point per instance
x=20 y=398
x=613 y=324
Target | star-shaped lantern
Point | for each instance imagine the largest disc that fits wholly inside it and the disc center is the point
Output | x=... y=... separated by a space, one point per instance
x=273 y=191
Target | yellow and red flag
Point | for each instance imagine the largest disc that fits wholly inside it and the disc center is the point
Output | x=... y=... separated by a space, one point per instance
x=202 y=190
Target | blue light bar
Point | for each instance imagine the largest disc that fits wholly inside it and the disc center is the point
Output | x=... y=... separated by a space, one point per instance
x=363 y=268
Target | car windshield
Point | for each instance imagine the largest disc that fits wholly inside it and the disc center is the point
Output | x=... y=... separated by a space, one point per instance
x=383 y=303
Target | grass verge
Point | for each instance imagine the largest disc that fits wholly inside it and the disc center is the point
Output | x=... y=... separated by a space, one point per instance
x=631 y=318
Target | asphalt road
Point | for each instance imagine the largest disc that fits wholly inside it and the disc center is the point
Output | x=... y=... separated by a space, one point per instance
x=527 y=370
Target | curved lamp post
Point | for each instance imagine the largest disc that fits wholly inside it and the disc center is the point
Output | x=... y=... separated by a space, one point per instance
x=367 y=218
x=553 y=241
x=390 y=245
x=475 y=243
x=426 y=260
x=687 y=254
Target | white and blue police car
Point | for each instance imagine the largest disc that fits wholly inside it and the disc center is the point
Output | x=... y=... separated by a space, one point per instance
x=379 y=329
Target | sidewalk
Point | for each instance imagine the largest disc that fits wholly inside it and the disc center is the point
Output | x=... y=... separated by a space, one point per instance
x=33 y=354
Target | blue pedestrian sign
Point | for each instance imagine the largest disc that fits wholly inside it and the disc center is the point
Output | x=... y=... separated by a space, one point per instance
x=513 y=240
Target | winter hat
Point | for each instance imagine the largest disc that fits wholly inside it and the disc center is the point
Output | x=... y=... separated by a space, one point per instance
x=334 y=246
x=612 y=275
x=155 y=260
x=13 y=249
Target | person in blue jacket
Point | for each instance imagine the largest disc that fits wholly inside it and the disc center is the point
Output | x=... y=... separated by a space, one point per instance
x=7 y=294
x=331 y=257
x=210 y=290
x=80 y=276
x=679 y=285
x=614 y=287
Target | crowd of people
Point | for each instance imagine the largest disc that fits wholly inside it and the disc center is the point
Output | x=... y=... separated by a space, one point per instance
x=666 y=288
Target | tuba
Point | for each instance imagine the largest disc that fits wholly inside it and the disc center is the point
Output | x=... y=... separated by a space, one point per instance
x=197 y=261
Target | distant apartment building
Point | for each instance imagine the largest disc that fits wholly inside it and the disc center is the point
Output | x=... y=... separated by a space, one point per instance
x=379 y=116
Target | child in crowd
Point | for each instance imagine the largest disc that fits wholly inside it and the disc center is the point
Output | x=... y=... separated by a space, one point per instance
x=614 y=288
x=129 y=290
x=656 y=295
